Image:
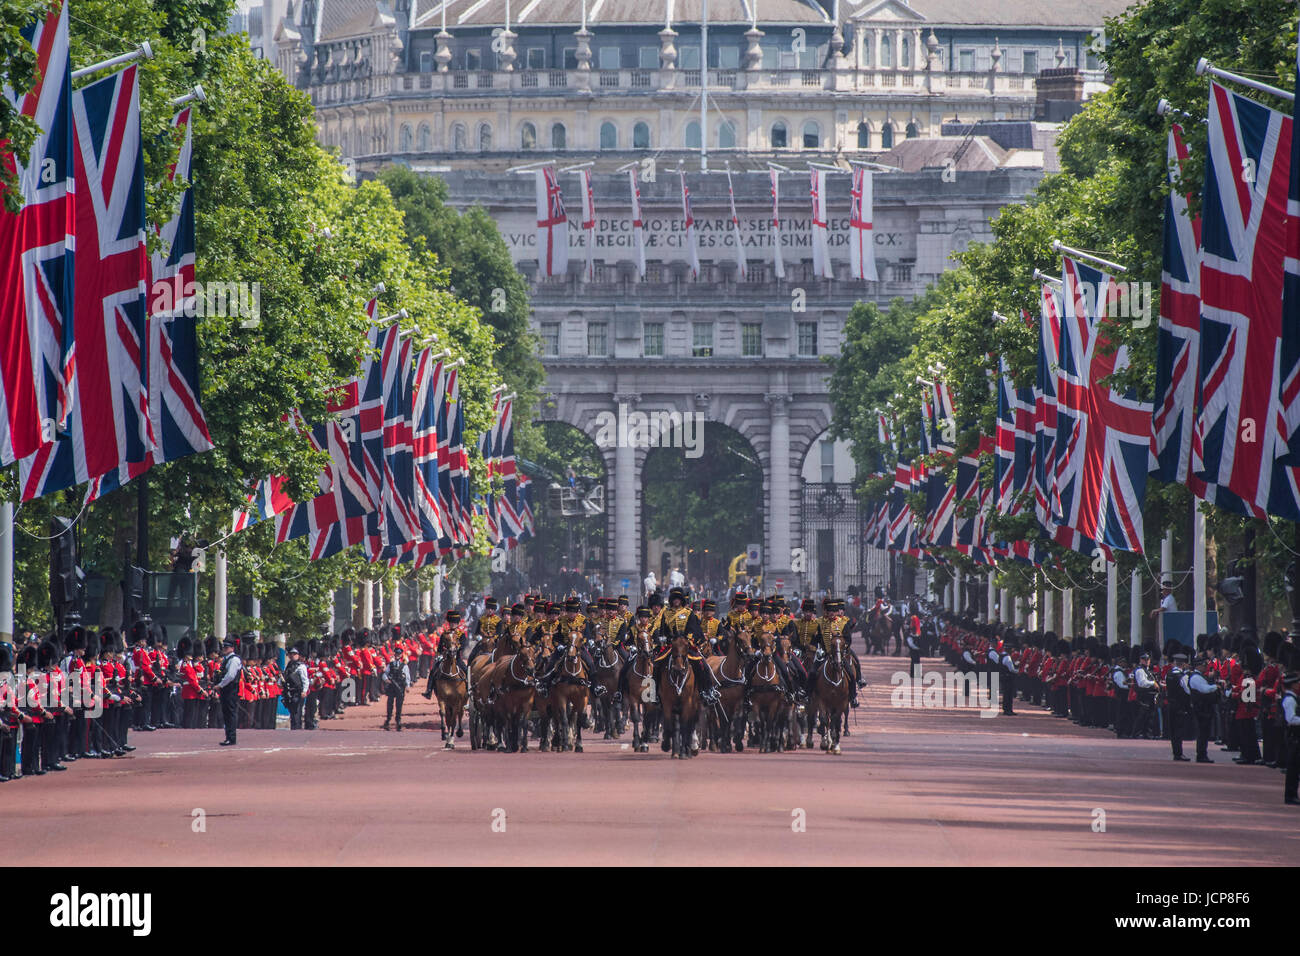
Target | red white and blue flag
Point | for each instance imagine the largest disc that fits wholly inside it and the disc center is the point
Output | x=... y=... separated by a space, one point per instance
x=1102 y=475
x=688 y=225
x=552 y=225
x=36 y=251
x=109 y=426
x=862 y=250
x=1243 y=252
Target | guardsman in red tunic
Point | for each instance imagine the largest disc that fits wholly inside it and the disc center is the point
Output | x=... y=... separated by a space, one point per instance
x=1244 y=693
x=1269 y=684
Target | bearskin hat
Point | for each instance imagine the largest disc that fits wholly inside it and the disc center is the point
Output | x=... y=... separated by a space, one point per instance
x=46 y=654
x=94 y=645
x=27 y=656
x=1251 y=659
x=184 y=647
x=6 y=658
x=1272 y=641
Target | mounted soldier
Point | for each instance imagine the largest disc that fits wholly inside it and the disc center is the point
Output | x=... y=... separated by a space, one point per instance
x=679 y=620
x=834 y=623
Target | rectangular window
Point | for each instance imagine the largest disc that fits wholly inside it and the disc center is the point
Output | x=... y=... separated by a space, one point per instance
x=702 y=340
x=473 y=59
x=966 y=61
x=647 y=58
x=688 y=57
x=596 y=339
x=570 y=58
x=728 y=58
x=771 y=56
x=550 y=338
x=426 y=61
x=1030 y=62
x=807 y=338
x=828 y=462
x=609 y=58
x=652 y=340
x=536 y=58
x=751 y=339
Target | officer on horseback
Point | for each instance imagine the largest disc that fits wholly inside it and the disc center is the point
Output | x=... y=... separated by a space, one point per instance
x=679 y=620
x=834 y=624
x=770 y=621
x=572 y=627
x=641 y=621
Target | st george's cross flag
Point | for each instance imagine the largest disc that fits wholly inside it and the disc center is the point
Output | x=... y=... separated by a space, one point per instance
x=1243 y=252
x=109 y=424
x=1104 y=470
x=736 y=236
x=36 y=254
x=688 y=226
x=778 y=263
x=552 y=225
x=638 y=224
x=588 y=223
x=862 y=250
x=820 y=225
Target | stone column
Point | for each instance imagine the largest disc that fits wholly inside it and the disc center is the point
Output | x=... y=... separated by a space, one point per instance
x=583 y=55
x=753 y=52
x=1049 y=608
x=443 y=54
x=625 y=480
x=777 y=561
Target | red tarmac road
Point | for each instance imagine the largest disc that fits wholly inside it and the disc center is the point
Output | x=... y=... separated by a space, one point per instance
x=928 y=787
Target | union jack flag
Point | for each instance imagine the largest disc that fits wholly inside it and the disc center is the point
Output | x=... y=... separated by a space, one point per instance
x=508 y=502
x=36 y=250
x=427 y=399
x=1104 y=470
x=1013 y=443
x=400 y=524
x=638 y=226
x=1290 y=368
x=735 y=229
x=179 y=426
x=1243 y=248
x=862 y=252
x=342 y=483
x=109 y=426
x=268 y=497
x=688 y=224
x=1178 y=347
x=1049 y=344
x=552 y=225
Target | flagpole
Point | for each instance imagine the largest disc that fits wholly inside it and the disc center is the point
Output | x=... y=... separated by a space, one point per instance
x=988 y=598
x=1204 y=66
x=1135 y=609
x=194 y=94
x=704 y=88
x=1058 y=246
x=1199 y=623
x=1112 y=602
x=219 y=597
x=7 y=572
x=143 y=51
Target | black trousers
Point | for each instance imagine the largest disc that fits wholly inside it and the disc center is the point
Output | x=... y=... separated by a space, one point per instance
x=230 y=710
x=1177 y=720
x=1292 y=750
x=8 y=752
x=1204 y=717
x=398 y=698
x=1273 y=740
x=311 y=702
x=1008 y=691
x=31 y=749
x=295 y=707
x=1246 y=740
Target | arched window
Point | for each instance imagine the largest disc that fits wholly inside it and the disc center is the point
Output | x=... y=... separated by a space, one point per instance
x=608 y=136
x=907 y=52
x=778 y=136
x=864 y=135
x=557 y=136
x=641 y=136
x=484 y=137
x=404 y=139
x=812 y=135
x=528 y=136
x=727 y=135
x=692 y=140
x=887 y=136
x=458 y=138
x=912 y=131
x=887 y=50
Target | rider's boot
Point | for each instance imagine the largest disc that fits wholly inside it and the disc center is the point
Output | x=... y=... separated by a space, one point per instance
x=708 y=684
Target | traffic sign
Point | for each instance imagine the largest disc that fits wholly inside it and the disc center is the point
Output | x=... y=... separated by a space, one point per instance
x=626 y=583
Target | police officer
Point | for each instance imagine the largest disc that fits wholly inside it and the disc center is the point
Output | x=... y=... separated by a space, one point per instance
x=228 y=689
x=1204 y=695
x=1177 y=698
x=1290 y=707
x=296 y=685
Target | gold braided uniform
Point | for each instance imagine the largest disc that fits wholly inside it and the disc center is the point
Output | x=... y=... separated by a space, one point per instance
x=710 y=628
x=806 y=631
x=488 y=625
x=738 y=621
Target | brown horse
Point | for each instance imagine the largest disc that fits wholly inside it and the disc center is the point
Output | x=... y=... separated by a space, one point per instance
x=768 y=701
x=643 y=697
x=451 y=684
x=830 y=693
x=512 y=681
x=726 y=721
x=609 y=662
x=680 y=700
x=567 y=702
x=879 y=631
x=481 y=733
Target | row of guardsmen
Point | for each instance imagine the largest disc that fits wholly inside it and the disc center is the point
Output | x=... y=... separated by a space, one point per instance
x=1227 y=689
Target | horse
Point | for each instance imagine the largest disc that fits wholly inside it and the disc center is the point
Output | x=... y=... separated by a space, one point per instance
x=642 y=697
x=793 y=716
x=451 y=684
x=680 y=700
x=513 y=678
x=881 y=630
x=481 y=733
x=568 y=699
x=726 y=726
x=830 y=694
x=768 y=700
x=608 y=663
